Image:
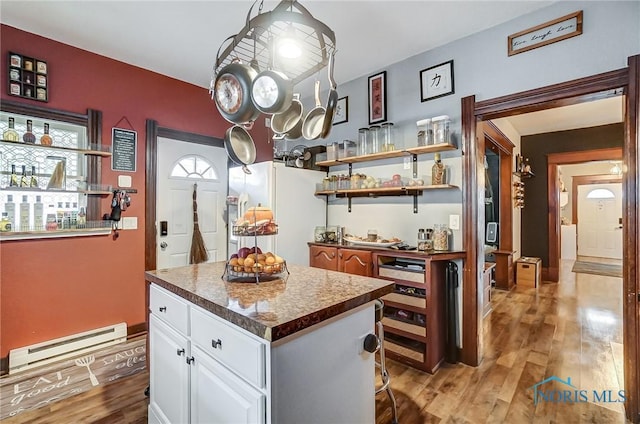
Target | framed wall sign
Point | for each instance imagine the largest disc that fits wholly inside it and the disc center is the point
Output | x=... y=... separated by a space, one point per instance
x=549 y=32
x=123 y=148
x=436 y=81
x=378 y=98
x=342 y=111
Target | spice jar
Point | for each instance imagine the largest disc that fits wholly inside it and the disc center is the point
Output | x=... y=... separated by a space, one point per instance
x=440 y=129
x=374 y=132
x=364 y=142
x=425 y=132
x=422 y=240
x=388 y=142
x=440 y=237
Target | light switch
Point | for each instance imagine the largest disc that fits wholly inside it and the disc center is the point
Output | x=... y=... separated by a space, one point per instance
x=129 y=222
x=124 y=181
x=454 y=222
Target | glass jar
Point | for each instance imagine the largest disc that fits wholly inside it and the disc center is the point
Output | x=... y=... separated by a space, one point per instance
x=440 y=129
x=387 y=135
x=364 y=142
x=425 y=132
x=422 y=240
x=440 y=237
x=374 y=132
x=332 y=151
x=372 y=236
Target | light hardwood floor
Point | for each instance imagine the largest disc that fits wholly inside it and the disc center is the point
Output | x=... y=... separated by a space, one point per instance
x=572 y=329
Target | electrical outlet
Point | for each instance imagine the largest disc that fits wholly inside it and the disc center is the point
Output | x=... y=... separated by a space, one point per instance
x=454 y=222
x=407 y=162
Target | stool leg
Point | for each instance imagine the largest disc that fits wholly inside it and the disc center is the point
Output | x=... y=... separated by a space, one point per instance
x=386 y=379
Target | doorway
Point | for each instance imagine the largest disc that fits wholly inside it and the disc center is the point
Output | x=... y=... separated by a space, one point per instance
x=154 y=133
x=609 y=84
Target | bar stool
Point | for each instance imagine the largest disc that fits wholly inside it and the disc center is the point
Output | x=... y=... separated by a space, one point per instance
x=372 y=344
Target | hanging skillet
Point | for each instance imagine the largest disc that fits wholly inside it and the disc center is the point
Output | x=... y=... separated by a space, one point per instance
x=240 y=147
x=232 y=90
x=312 y=126
x=271 y=92
x=332 y=101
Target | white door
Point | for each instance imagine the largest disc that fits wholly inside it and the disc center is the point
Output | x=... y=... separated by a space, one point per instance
x=180 y=165
x=599 y=230
x=169 y=382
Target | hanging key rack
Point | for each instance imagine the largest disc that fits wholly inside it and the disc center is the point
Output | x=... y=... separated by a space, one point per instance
x=254 y=41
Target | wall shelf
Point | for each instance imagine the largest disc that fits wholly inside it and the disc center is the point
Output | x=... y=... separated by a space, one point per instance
x=419 y=150
x=92 y=152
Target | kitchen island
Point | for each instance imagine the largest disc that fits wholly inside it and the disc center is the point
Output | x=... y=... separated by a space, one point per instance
x=283 y=351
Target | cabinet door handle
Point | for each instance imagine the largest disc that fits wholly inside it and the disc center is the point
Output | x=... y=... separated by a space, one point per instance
x=180 y=352
x=191 y=360
x=340 y=255
x=162 y=309
x=216 y=344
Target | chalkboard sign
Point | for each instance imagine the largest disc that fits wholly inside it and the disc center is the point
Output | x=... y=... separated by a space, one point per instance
x=123 y=148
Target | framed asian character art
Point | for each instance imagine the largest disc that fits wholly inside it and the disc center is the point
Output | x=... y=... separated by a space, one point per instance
x=436 y=81
x=378 y=98
x=342 y=111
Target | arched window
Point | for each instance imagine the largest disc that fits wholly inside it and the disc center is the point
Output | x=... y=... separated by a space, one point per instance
x=600 y=193
x=195 y=167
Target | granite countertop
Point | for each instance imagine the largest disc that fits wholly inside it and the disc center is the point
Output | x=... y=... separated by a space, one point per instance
x=435 y=255
x=274 y=309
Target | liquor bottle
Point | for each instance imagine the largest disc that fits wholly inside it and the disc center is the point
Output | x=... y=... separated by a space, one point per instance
x=25 y=181
x=5 y=224
x=11 y=134
x=14 y=181
x=46 y=139
x=438 y=171
x=10 y=209
x=38 y=214
x=25 y=219
x=28 y=137
x=34 y=180
x=82 y=218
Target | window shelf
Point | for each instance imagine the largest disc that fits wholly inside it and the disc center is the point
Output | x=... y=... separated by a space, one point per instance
x=71 y=232
x=96 y=151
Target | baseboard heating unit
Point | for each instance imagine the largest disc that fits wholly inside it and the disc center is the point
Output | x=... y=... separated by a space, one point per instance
x=54 y=350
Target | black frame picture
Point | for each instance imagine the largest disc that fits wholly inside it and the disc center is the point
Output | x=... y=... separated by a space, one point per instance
x=436 y=81
x=377 y=97
x=342 y=111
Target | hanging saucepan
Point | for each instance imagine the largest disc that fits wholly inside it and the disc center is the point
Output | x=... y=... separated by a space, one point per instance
x=271 y=91
x=240 y=147
x=312 y=126
x=232 y=93
x=332 y=101
x=289 y=123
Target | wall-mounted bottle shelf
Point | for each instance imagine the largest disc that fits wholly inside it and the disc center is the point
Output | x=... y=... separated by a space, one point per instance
x=419 y=150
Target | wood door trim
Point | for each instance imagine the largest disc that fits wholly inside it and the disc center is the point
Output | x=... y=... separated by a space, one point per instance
x=622 y=81
x=631 y=245
x=504 y=147
x=586 y=180
x=552 y=270
x=153 y=132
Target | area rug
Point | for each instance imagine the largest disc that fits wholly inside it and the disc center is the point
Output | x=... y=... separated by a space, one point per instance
x=32 y=389
x=610 y=270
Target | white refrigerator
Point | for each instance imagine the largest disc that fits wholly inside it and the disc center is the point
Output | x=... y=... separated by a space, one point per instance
x=289 y=192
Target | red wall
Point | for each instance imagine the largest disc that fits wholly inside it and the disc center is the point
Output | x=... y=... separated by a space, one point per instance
x=53 y=288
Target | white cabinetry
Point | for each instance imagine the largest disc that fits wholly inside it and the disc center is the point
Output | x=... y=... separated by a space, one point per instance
x=189 y=383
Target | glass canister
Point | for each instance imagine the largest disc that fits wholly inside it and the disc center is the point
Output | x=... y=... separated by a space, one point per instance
x=440 y=129
x=374 y=133
x=422 y=240
x=425 y=132
x=387 y=135
x=332 y=151
x=364 y=142
x=440 y=237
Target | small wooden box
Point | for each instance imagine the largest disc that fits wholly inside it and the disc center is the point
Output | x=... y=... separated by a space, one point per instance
x=528 y=272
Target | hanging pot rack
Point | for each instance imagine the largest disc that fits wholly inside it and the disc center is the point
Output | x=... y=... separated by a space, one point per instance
x=254 y=42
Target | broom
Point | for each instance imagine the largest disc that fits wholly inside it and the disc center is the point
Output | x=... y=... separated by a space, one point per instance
x=198 y=250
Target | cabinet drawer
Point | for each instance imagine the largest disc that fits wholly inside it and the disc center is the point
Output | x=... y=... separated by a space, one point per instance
x=239 y=352
x=169 y=308
x=398 y=274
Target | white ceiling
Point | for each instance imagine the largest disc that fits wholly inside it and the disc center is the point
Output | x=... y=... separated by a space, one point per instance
x=180 y=38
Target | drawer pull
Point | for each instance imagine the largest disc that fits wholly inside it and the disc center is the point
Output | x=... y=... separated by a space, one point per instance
x=191 y=360
x=163 y=309
x=216 y=344
x=180 y=352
